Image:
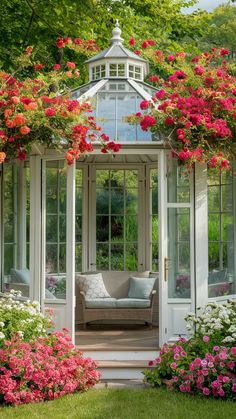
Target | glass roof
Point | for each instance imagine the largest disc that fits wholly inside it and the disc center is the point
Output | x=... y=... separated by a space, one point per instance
x=112 y=103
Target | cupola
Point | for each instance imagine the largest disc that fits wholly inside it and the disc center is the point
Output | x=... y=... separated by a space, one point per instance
x=117 y=62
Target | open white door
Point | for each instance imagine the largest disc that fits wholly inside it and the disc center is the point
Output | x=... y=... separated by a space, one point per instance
x=176 y=248
x=58 y=242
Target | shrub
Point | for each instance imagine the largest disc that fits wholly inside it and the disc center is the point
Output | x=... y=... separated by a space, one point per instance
x=206 y=363
x=43 y=369
x=22 y=318
x=218 y=321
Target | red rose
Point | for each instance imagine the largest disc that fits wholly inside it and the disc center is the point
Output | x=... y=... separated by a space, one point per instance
x=69 y=64
x=132 y=42
x=56 y=67
x=50 y=112
x=144 y=104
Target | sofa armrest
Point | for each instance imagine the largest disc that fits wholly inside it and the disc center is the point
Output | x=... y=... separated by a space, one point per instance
x=152 y=296
x=83 y=298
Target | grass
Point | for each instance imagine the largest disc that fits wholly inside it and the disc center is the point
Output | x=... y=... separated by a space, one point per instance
x=125 y=403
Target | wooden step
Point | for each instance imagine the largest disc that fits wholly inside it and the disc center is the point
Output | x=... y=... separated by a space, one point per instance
x=122 y=370
x=137 y=355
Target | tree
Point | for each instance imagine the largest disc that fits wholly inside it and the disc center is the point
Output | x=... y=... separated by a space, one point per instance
x=40 y=22
x=221 y=29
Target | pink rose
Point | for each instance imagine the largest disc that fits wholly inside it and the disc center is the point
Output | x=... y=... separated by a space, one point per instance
x=205 y=339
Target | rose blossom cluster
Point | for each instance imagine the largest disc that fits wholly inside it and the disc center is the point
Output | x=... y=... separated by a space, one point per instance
x=195 y=107
x=33 y=111
x=43 y=369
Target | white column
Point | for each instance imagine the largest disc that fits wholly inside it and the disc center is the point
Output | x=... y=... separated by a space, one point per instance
x=201 y=235
x=70 y=251
x=35 y=228
x=22 y=218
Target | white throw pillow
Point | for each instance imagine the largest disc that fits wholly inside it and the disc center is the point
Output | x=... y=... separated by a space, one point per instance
x=93 y=286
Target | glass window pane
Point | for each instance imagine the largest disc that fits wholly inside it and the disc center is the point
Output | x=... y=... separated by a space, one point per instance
x=62 y=258
x=117 y=257
x=102 y=228
x=78 y=257
x=131 y=228
x=51 y=228
x=213 y=227
x=155 y=253
x=213 y=198
x=117 y=228
x=155 y=228
x=102 y=256
x=102 y=201
x=131 y=200
x=131 y=257
x=102 y=178
x=179 y=253
x=221 y=278
x=78 y=203
x=117 y=201
x=178 y=182
x=51 y=258
x=78 y=228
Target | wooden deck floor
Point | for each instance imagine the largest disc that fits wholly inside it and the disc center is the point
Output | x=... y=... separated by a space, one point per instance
x=117 y=337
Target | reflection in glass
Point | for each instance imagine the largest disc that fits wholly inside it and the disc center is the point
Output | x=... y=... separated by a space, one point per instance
x=221 y=278
x=178 y=182
x=55 y=194
x=15 y=227
x=179 y=252
x=118 y=229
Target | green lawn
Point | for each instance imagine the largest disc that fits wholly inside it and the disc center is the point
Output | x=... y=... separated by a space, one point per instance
x=125 y=404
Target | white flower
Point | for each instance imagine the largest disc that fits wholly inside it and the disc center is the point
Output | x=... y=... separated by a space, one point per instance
x=1 y=324
x=2 y=336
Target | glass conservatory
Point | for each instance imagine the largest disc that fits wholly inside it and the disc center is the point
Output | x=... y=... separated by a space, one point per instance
x=131 y=213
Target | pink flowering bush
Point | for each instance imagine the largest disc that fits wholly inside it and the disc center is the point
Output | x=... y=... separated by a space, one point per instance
x=43 y=369
x=194 y=108
x=206 y=363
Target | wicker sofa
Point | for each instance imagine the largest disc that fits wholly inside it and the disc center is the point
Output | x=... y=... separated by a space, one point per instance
x=118 y=313
x=118 y=307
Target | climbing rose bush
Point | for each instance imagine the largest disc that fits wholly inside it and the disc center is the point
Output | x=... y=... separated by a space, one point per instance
x=22 y=319
x=43 y=369
x=206 y=363
x=194 y=107
x=41 y=110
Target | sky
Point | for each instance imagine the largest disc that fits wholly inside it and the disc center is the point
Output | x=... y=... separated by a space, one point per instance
x=208 y=5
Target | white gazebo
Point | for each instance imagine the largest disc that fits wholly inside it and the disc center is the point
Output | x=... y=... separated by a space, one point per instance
x=138 y=211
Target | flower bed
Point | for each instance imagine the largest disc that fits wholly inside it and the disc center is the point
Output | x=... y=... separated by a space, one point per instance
x=43 y=369
x=206 y=363
x=35 y=365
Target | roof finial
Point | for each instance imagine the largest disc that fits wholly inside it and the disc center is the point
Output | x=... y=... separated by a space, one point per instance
x=116 y=38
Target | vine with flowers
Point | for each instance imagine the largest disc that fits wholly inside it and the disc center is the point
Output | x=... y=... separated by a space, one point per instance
x=40 y=110
x=194 y=107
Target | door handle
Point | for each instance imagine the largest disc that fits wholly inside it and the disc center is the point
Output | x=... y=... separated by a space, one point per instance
x=167 y=266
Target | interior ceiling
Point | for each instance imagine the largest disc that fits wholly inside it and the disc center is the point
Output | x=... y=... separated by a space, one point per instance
x=120 y=158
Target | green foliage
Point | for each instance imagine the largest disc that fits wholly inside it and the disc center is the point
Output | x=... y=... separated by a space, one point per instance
x=221 y=28
x=22 y=318
x=40 y=23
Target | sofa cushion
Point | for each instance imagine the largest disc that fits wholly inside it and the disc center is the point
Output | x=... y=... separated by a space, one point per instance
x=20 y=276
x=92 y=286
x=133 y=303
x=141 y=287
x=100 y=303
